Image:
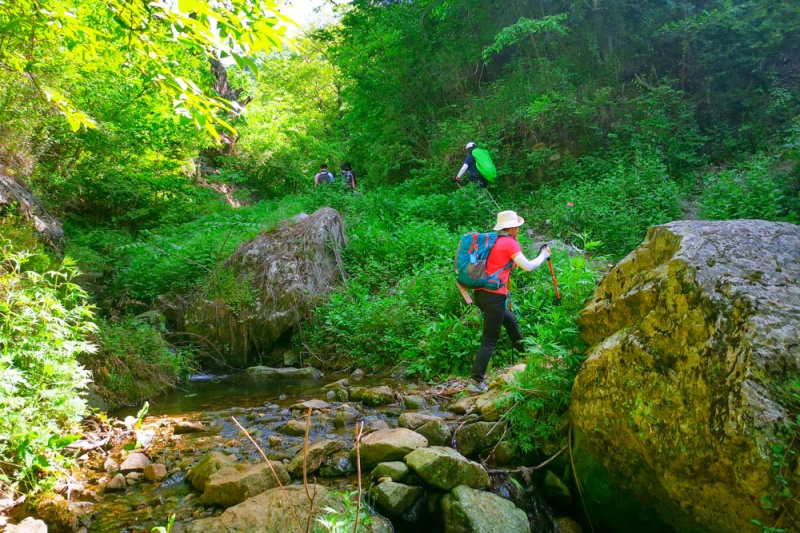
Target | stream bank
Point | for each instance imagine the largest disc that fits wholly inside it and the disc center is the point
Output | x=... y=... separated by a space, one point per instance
x=119 y=487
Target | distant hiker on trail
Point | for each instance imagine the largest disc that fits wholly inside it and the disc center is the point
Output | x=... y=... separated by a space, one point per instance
x=479 y=165
x=348 y=177
x=323 y=176
x=505 y=253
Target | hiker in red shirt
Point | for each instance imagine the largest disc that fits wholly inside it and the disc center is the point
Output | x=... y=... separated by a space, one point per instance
x=494 y=303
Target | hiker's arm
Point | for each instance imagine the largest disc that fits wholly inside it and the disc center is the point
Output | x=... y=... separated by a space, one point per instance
x=525 y=264
x=464 y=168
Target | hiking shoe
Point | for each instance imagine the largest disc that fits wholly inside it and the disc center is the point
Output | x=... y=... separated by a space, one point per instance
x=478 y=387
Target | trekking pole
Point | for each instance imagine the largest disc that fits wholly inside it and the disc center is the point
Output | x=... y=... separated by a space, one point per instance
x=552 y=275
x=493 y=200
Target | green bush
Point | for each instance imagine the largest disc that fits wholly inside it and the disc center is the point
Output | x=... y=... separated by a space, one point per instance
x=44 y=323
x=753 y=190
x=134 y=362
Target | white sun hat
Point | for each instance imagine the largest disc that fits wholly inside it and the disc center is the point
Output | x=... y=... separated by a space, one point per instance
x=508 y=219
x=471 y=145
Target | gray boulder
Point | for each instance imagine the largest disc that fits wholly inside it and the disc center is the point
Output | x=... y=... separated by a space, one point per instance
x=284 y=272
x=445 y=468
x=395 y=470
x=265 y=372
x=135 y=462
x=316 y=454
x=388 y=445
x=337 y=465
x=269 y=512
x=693 y=345
x=394 y=499
x=436 y=431
x=414 y=420
x=466 y=510
x=382 y=395
x=232 y=485
x=29 y=525
x=474 y=438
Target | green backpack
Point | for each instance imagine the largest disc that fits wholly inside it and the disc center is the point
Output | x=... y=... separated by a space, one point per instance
x=484 y=163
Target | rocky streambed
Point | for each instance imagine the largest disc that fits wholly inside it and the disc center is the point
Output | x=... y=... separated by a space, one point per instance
x=430 y=458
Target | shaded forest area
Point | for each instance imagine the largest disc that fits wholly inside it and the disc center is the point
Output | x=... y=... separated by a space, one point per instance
x=162 y=146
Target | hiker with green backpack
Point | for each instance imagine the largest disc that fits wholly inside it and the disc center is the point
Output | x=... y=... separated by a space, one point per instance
x=484 y=262
x=479 y=165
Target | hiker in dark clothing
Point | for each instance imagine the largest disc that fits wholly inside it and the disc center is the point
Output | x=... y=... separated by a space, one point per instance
x=323 y=176
x=471 y=166
x=494 y=303
x=348 y=177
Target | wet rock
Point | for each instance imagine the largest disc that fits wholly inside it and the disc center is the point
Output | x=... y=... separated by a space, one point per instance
x=337 y=465
x=275 y=441
x=29 y=525
x=377 y=424
x=133 y=478
x=67 y=487
x=505 y=453
x=507 y=378
x=463 y=405
x=265 y=372
x=296 y=428
x=155 y=472
x=291 y=357
x=436 y=431
x=117 y=484
x=199 y=474
x=110 y=465
x=313 y=404
x=57 y=513
x=343 y=418
x=414 y=420
x=269 y=512
x=445 y=468
x=382 y=395
x=556 y=490
x=394 y=499
x=357 y=374
x=388 y=445
x=566 y=524
x=414 y=402
x=135 y=462
x=232 y=485
x=693 y=343
x=474 y=438
x=492 y=404
x=381 y=524
x=466 y=509
x=340 y=384
x=315 y=455
x=183 y=427
x=394 y=470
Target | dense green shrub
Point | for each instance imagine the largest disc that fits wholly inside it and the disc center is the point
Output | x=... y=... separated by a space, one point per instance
x=134 y=362
x=44 y=322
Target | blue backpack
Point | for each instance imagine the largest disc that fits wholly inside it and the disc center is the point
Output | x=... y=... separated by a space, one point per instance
x=470 y=263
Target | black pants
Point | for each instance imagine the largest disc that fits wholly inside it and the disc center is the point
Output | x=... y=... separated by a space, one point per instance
x=479 y=180
x=495 y=316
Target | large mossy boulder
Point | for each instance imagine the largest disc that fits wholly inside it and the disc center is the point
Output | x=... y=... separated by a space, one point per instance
x=200 y=472
x=232 y=485
x=466 y=510
x=388 y=445
x=445 y=468
x=682 y=405
x=267 y=286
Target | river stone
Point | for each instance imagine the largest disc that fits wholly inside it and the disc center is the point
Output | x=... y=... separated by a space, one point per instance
x=135 y=462
x=183 y=427
x=231 y=485
x=414 y=420
x=286 y=271
x=357 y=393
x=395 y=470
x=337 y=465
x=507 y=378
x=155 y=472
x=144 y=438
x=313 y=404
x=462 y=406
x=57 y=513
x=474 y=438
x=693 y=343
x=291 y=357
x=382 y=395
x=493 y=404
x=467 y=510
x=340 y=384
x=316 y=454
x=269 y=512
x=29 y=525
x=199 y=474
x=566 y=524
x=110 y=465
x=284 y=373
x=393 y=499
x=436 y=431
x=377 y=424
x=388 y=445
x=414 y=402
x=343 y=418
x=357 y=374
x=296 y=428
x=445 y=468
x=117 y=484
